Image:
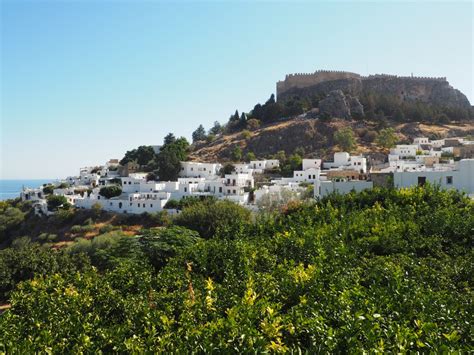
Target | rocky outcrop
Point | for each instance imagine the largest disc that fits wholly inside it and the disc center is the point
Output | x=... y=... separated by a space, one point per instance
x=433 y=91
x=357 y=110
x=336 y=104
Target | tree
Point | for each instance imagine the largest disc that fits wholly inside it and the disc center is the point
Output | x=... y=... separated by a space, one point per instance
x=169 y=165
x=170 y=157
x=386 y=138
x=250 y=156
x=10 y=219
x=237 y=154
x=110 y=191
x=208 y=216
x=56 y=201
x=199 y=134
x=295 y=162
x=142 y=155
x=216 y=129
x=345 y=139
x=169 y=139
x=228 y=168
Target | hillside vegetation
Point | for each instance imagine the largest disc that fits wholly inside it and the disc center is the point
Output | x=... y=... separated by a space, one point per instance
x=378 y=271
x=316 y=138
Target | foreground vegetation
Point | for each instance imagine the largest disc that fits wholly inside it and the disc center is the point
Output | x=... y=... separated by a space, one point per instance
x=383 y=270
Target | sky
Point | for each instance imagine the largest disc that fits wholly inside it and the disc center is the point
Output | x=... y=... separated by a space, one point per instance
x=85 y=81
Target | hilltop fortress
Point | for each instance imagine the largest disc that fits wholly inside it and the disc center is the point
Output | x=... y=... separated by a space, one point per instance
x=436 y=91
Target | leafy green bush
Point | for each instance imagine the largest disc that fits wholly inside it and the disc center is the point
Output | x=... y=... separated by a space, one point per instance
x=208 y=216
x=379 y=271
x=110 y=191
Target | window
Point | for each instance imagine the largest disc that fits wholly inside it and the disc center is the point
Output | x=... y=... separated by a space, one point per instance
x=138 y=205
x=449 y=180
x=185 y=189
x=220 y=189
x=234 y=192
x=151 y=205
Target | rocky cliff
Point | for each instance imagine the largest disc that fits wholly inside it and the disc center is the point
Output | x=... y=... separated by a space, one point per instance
x=433 y=91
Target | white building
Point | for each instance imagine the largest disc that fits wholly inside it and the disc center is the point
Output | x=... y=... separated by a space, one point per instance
x=404 y=150
x=323 y=188
x=196 y=169
x=311 y=164
x=345 y=160
x=263 y=165
x=459 y=177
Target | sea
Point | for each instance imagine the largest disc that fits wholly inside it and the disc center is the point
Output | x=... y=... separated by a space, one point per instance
x=10 y=189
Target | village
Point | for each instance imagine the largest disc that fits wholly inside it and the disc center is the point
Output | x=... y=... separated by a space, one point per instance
x=447 y=163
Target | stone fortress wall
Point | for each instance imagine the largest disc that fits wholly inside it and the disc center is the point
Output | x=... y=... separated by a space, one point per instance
x=302 y=80
x=409 y=88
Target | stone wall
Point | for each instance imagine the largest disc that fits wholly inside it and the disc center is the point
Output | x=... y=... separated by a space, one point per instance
x=302 y=80
x=426 y=89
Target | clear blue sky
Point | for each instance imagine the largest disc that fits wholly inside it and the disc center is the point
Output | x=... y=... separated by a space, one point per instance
x=84 y=81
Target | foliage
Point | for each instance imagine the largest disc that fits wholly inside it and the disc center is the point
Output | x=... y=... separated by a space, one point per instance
x=381 y=271
x=209 y=216
x=253 y=124
x=110 y=191
x=228 y=168
x=56 y=201
x=216 y=129
x=171 y=154
x=10 y=218
x=246 y=134
x=386 y=138
x=250 y=156
x=237 y=153
x=48 y=189
x=161 y=244
x=25 y=260
x=199 y=134
x=345 y=139
x=142 y=155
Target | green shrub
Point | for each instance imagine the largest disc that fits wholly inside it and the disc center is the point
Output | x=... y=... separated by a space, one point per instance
x=207 y=217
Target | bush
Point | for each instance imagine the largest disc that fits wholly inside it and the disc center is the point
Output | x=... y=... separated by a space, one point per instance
x=56 y=201
x=110 y=191
x=207 y=217
x=246 y=134
x=253 y=124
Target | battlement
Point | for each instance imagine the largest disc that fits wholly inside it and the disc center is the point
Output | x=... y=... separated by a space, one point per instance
x=417 y=78
x=302 y=80
x=305 y=80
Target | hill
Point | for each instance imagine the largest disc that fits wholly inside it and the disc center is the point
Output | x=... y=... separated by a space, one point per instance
x=310 y=108
x=316 y=137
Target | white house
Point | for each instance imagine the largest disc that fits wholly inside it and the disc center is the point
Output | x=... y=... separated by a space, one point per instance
x=459 y=177
x=404 y=150
x=28 y=194
x=196 y=169
x=264 y=164
x=311 y=164
x=323 y=188
x=345 y=160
